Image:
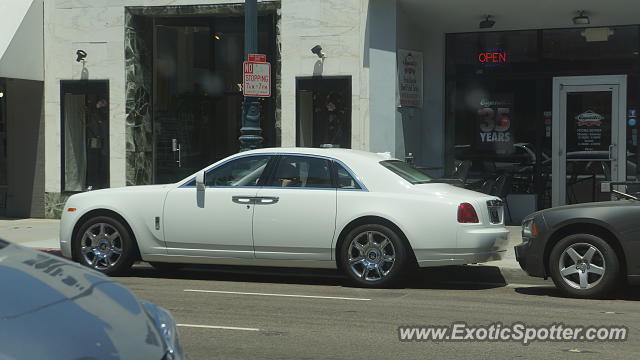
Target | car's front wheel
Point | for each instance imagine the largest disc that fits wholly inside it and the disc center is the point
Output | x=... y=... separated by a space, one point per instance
x=584 y=266
x=103 y=243
x=374 y=256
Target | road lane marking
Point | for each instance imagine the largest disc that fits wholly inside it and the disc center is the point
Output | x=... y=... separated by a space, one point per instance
x=217 y=327
x=280 y=295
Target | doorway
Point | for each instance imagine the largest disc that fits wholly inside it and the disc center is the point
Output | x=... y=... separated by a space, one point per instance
x=84 y=134
x=197 y=100
x=590 y=143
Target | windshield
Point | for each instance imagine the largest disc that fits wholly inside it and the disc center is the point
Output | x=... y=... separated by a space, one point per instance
x=406 y=171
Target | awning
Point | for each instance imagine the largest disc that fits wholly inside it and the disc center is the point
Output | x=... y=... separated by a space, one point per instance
x=21 y=39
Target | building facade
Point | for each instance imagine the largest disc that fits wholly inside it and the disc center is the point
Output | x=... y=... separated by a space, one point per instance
x=535 y=103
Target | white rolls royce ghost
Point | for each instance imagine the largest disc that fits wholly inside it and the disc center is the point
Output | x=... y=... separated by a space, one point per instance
x=370 y=215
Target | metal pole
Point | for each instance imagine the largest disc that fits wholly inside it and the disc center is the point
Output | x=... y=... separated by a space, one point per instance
x=250 y=133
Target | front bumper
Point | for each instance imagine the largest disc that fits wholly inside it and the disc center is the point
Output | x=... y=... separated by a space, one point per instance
x=530 y=258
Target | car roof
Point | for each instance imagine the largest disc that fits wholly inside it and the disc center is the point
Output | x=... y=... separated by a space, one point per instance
x=336 y=153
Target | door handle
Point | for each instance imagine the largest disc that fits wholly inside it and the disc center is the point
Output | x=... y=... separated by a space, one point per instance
x=245 y=200
x=612 y=152
x=267 y=200
x=175 y=147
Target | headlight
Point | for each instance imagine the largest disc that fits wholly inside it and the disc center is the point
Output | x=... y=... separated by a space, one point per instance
x=529 y=230
x=166 y=326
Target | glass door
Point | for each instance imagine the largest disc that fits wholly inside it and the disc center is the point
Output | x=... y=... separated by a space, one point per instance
x=183 y=108
x=588 y=118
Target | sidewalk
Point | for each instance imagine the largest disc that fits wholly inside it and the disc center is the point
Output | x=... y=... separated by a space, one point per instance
x=44 y=234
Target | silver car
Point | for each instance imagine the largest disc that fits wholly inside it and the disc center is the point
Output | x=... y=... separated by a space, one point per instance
x=51 y=308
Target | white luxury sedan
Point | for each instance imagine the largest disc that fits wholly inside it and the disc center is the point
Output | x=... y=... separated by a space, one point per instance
x=372 y=216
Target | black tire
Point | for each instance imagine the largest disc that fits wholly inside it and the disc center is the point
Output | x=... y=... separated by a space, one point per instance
x=391 y=273
x=124 y=241
x=604 y=257
x=164 y=267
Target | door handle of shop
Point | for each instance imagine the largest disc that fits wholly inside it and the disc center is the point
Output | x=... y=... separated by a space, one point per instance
x=245 y=200
x=612 y=152
x=267 y=200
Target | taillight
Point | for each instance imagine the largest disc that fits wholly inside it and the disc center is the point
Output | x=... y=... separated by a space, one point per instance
x=467 y=214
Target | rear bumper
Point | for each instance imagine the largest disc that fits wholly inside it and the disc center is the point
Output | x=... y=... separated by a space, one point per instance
x=475 y=245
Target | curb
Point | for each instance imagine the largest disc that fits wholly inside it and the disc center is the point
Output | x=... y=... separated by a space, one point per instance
x=51 y=251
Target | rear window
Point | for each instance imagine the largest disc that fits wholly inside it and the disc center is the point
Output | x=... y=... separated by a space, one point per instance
x=406 y=171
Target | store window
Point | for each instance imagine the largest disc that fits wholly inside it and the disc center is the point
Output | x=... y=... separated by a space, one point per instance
x=85 y=134
x=323 y=112
x=499 y=100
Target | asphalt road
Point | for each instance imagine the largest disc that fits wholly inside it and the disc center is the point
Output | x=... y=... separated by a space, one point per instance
x=252 y=313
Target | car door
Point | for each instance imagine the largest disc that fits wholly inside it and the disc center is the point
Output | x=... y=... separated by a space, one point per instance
x=294 y=215
x=215 y=222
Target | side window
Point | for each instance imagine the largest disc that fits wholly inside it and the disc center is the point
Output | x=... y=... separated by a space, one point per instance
x=345 y=180
x=302 y=172
x=245 y=171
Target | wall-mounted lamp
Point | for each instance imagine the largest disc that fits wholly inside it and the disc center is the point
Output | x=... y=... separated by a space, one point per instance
x=81 y=55
x=487 y=22
x=217 y=36
x=318 y=51
x=1 y=94
x=581 y=19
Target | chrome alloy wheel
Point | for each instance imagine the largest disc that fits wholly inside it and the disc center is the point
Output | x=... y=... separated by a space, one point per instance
x=101 y=246
x=582 y=266
x=371 y=255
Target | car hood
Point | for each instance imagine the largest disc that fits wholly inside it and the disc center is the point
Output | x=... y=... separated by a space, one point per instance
x=598 y=204
x=53 y=308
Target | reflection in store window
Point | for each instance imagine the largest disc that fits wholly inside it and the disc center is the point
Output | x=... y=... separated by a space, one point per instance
x=324 y=112
x=85 y=134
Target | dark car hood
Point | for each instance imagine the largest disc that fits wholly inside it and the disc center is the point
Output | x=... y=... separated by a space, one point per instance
x=55 y=309
x=615 y=203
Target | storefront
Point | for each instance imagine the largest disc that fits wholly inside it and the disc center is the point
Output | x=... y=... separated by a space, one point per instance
x=541 y=117
x=529 y=106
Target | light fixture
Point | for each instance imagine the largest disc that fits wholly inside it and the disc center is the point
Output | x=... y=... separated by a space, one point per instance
x=217 y=36
x=597 y=34
x=318 y=51
x=81 y=55
x=1 y=94
x=487 y=22
x=581 y=19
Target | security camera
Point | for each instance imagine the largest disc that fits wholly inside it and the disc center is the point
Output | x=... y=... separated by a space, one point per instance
x=318 y=51
x=81 y=55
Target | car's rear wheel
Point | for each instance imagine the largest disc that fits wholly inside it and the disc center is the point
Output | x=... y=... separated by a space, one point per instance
x=373 y=255
x=584 y=266
x=103 y=243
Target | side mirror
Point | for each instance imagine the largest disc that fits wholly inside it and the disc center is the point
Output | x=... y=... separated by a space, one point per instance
x=200 y=180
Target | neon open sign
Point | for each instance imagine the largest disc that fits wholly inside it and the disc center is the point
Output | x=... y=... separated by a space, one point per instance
x=493 y=57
